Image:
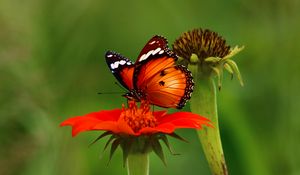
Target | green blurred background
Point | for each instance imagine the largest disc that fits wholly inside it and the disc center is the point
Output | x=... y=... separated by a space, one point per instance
x=52 y=66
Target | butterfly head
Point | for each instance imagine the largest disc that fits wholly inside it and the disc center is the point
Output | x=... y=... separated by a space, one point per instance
x=133 y=95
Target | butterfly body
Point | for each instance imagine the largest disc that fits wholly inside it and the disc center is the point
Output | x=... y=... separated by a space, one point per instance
x=154 y=76
x=134 y=95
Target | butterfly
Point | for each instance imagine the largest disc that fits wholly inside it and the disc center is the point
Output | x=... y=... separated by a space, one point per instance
x=154 y=76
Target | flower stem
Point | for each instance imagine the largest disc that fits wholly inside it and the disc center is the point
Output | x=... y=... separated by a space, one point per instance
x=138 y=164
x=204 y=102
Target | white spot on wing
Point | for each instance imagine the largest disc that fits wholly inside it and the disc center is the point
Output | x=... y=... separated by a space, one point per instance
x=145 y=56
x=116 y=64
x=122 y=62
x=109 y=55
x=156 y=50
x=152 y=42
x=112 y=66
x=161 y=52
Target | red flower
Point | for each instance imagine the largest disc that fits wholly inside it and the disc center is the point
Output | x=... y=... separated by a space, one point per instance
x=135 y=121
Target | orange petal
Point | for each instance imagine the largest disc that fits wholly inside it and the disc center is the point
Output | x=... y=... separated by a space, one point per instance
x=181 y=115
x=107 y=126
x=159 y=114
x=164 y=128
x=105 y=115
x=84 y=124
x=124 y=127
x=89 y=121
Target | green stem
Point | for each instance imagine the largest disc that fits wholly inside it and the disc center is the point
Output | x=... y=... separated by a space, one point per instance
x=138 y=164
x=204 y=103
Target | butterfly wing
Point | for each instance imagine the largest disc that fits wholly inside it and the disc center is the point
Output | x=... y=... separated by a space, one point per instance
x=161 y=81
x=171 y=88
x=154 y=57
x=157 y=46
x=121 y=67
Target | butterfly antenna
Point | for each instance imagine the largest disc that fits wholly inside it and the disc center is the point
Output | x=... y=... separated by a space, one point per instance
x=110 y=92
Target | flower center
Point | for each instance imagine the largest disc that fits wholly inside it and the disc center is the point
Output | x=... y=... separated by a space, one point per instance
x=203 y=43
x=138 y=117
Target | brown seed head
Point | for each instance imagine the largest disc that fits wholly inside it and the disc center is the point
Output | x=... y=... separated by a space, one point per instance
x=203 y=43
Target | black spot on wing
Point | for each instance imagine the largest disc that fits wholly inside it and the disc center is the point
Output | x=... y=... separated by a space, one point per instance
x=161 y=83
x=163 y=73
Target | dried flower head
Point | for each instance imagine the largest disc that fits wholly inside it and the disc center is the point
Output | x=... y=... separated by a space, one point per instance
x=208 y=50
x=203 y=43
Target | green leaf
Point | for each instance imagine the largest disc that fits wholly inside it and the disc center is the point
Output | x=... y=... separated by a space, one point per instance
x=108 y=142
x=233 y=52
x=219 y=73
x=147 y=145
x=229 y=69
x=166 y=141
x=126 y=147
x=176 y=136
x=158 y=150
x=106 y=145
x=113 y=148
x=236 y=71
x=212 y=59
x=100 y=137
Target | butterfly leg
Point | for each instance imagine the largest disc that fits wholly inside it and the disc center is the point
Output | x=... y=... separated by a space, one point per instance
x=127 y=103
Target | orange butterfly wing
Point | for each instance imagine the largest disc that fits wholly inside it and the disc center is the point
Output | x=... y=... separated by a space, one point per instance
x=169 y=87
x=154 y=76
x=127 y=74
x=157 y=77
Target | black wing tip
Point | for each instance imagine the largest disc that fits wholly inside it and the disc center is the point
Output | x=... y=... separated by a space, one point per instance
x=161 y=37
x=110 y=53
x=168 y=51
